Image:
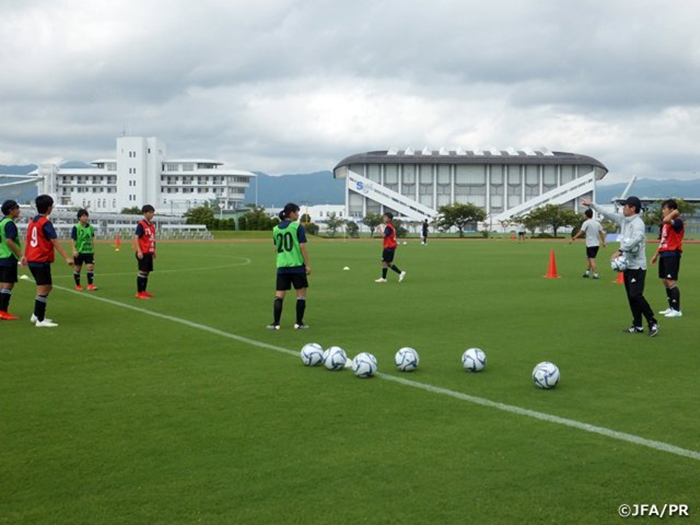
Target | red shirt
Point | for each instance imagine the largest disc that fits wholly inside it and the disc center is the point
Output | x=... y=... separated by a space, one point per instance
x=390 y=240
x=39 y=247
x=147 y=236
x=671 y=240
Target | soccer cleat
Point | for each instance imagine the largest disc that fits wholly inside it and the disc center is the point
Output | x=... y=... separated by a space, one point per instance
x=595 y=276
x=7 y=316
x=92 y=287
x=402 y=276
x=666 y=311
x=34 y=319
x=653 y=329
x=380 y=280
x=142 y=295
x=148 y=295
x=300 y=326
x=673 y=313
x=585 y=276
x=273 y=326
x=633 y=330
x=78 y=288
x=46 y=323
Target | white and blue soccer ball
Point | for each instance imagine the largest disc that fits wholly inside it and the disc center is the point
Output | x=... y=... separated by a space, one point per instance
x=546 y=375
x=311 y=354
x=334 y=358
x=474 y=360
x=406 y=359
x=619 y=264
x=364 y=365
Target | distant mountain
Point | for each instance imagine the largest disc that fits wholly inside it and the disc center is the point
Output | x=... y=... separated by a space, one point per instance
x=651 y=188
x=311 y=188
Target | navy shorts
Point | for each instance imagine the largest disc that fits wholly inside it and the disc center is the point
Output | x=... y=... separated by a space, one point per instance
x=286 y=280
x=388 y=255
x=592 y=251
x=669 y=267
x=145 y=264
x=42 y=274
x=8 y=274
x=84 y=258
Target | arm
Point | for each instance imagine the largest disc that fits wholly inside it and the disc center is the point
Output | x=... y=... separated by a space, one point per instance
x=671 y=217
x=15 y=249
x=59 y=249
x=305 y=254
x=73 y=235
x=578 y=235
x=137 y=247
x=630 y=244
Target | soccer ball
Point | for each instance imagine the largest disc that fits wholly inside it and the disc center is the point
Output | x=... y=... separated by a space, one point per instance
x=311 y=354
x=406 y=359
x=364 y=365
x=546 y=375
x=335 y=358
x=619 y=264
x=474 y=360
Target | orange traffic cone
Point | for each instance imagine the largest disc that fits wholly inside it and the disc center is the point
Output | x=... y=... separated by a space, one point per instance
x=552 y=271
x=620 y=278
x=117 y=242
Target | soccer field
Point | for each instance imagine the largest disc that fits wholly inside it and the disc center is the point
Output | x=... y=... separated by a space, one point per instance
x=185 y=409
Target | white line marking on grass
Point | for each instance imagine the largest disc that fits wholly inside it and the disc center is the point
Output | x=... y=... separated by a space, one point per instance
x=245 y=261
x=613 y=434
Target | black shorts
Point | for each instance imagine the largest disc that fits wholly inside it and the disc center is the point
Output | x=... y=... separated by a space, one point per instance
x=84 y=258
x=286 y=280
x=8 y=274
x=592 y=251
x=145 y=264
x=669 y=267
x=388 y=255
x=42 y=274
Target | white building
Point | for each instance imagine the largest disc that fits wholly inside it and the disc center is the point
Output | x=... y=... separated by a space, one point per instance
x=142 y=174
x=414 y=184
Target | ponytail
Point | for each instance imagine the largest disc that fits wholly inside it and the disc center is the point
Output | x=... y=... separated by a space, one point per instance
x=289 y=208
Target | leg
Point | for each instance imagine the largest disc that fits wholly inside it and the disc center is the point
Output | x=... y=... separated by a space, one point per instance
x=632 y=290
x=77 y=268
x=277 y=307
x=301 y=306
x=90 y=274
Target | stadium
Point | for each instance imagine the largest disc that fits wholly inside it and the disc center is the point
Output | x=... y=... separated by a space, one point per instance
x=505 y=183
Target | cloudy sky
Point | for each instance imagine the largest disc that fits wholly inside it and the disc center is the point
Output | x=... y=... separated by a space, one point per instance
x=292 y=86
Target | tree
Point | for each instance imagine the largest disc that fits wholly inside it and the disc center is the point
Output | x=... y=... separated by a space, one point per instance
x=353 y=229
x=506 y=223
x=333 y=222
x=134 y=210
x=459 y=216
x=305 y=219
x=652 y=215
x=401 y=230
x=372 y=220
x=256 y=219
x=311 y=228
x=555 y=216
x=200 y=215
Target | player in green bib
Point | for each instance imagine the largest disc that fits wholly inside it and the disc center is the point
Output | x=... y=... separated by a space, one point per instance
x=292 y=264
x=82 y=238
x=10 y=255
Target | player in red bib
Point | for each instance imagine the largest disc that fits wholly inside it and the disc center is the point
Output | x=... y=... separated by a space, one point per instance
x=145 y=248
x=389 y=249
x=669 y=255
x=39 y=254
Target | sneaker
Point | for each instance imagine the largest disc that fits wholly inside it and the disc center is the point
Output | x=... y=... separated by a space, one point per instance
x=46 y=323
x=34 y=319
x=653 y=329
x=633 y=330
x=273 y=326
x=673 y=313
x=300 y=326
x=142 y=295
x=7 y=316
x=402 y=276
x=78 y=288
x=666 y=311
x=380 y=280
x=92 y=287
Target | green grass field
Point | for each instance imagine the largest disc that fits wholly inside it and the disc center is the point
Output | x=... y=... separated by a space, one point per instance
x=184 y=409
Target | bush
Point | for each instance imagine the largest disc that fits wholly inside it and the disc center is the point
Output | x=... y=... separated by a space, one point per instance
x=311 y=228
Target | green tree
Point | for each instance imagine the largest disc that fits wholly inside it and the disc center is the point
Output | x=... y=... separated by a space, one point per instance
x=459 y=216
x=401 y=230
x=333 y=222
x=305 y=219
x=200 y=215
x=353 y=229
x=372 y=220
x=256 y=219
x=555 y=217
x=311 y=228
x=242 y=223
x=134 y=210
x=652 y=214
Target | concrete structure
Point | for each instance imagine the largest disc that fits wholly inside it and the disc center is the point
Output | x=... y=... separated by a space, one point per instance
x=142 y=174
x=414 y=184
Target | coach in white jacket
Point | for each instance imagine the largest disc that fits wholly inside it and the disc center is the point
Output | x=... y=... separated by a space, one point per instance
x=633 y=247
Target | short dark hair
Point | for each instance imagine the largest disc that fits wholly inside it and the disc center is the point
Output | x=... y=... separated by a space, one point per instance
x=670 y=204
x=146 y=208
x=8 y=206
x=81 y=212
x=43 y=203
x=588 y=213
x=389 y=214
